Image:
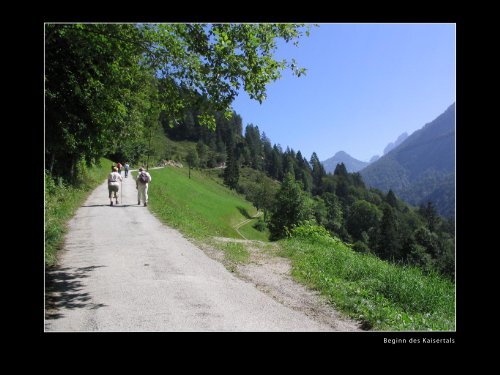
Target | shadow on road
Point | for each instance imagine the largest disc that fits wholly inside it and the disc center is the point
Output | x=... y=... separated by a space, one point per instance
x=63 y=290
x=114 y=205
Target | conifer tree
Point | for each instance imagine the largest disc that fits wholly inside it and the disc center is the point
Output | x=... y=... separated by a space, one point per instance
x=391 y=199
x=340 y=170
x=318 y=172
x=232 y=171
x=388 y=244
x=429 y=213
x=290 y=207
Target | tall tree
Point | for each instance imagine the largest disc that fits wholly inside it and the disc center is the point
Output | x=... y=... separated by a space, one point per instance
x=276 y=163
x=264 y=196
x=334 y=213
x=340 y=170
x=232 y=171
x=201 y=149
x=388 y=240
x=429 y=213
x=290 y=207
x=318 y=172
x=362 y=216
x=391 y=199
x=192 y=159
x=254 y=144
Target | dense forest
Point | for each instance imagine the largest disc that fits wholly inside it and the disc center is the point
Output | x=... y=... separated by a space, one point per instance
x=111 y=89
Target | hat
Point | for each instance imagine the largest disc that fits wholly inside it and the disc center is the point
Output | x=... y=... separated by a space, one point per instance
x=115 y=169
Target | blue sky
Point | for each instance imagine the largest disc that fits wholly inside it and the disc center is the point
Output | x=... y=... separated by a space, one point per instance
x=365 y=85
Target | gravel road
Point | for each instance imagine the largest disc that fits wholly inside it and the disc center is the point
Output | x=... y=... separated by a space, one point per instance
x=123 y=270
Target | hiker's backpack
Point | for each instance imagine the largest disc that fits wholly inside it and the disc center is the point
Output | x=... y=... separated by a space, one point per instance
x=143 y=177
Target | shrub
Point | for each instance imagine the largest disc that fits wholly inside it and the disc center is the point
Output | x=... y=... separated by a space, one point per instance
x=260 y=225
x=308 y=230
x=361 y=247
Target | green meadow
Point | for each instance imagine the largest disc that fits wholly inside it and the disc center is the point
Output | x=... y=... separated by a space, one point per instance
x=200 y=206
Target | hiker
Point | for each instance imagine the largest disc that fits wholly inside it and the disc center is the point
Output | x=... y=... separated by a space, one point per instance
x=119 y=166
x=126 y=168
x=114 y=185
x=141 y=184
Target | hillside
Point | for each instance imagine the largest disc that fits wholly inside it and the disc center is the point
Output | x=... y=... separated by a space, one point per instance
x=352 y=165
x=422 y=167
x=200 y=206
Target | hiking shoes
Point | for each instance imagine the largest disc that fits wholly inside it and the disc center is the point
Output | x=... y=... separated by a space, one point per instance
x=111 y=203
x=145 y=204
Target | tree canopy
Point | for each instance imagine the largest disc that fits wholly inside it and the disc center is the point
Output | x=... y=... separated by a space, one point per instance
x=108 y=82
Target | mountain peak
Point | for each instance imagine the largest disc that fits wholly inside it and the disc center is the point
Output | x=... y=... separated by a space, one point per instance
x=342 y=154
x=393 y=145
x=351 y=164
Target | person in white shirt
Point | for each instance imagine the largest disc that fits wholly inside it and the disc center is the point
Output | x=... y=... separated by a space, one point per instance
x=127 y=166
x=114 y=184
x=142 y=186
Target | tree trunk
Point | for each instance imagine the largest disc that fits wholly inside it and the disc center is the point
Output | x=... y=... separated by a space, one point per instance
x=72 y=170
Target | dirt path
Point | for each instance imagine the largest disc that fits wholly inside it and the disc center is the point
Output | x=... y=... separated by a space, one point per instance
x=239 y=225
x=122 y=270
x=271 y=274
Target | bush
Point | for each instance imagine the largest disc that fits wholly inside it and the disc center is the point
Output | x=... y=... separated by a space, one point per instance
x=360 y=247
x=260 y=225
x=312 y=232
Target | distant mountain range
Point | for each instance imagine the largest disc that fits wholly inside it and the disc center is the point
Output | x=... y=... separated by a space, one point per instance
x=352 y=165
x=421 y=167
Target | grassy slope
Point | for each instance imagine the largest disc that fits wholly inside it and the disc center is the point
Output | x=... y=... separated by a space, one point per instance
x=61 y=203
x=385 y=296
x=251 y=233
x=200 y=207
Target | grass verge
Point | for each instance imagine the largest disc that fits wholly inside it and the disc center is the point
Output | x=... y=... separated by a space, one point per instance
x=382 y=295
x=62 y=201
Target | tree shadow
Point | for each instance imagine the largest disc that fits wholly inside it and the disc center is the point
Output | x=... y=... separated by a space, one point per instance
x=63 y=290
x=127 y=205
x=114 y=205
x=244 y=212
